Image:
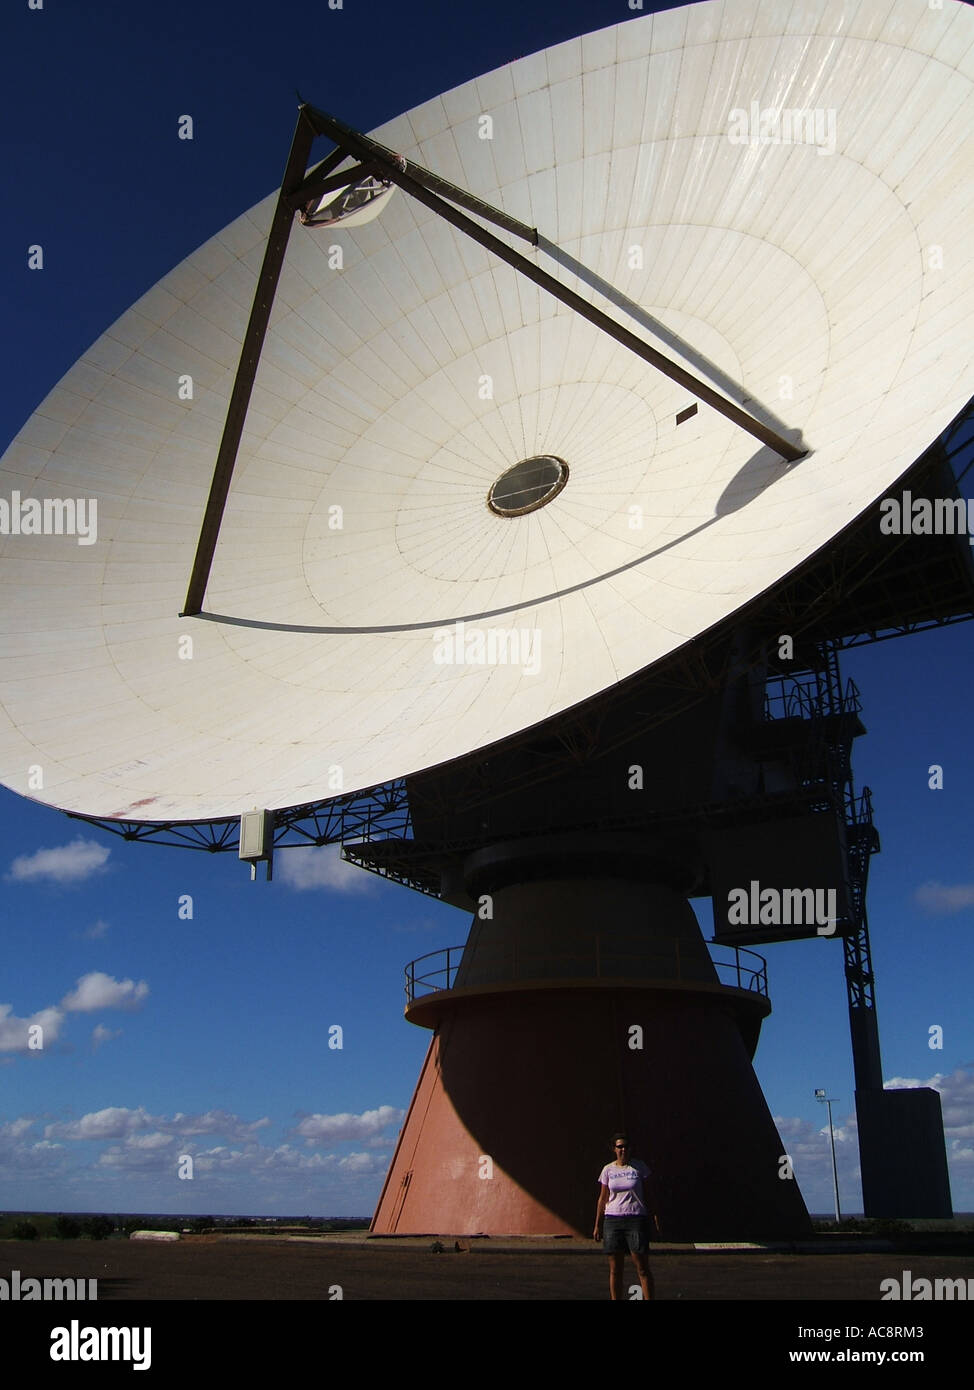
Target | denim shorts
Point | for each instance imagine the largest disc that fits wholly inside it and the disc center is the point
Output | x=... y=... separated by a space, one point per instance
x=620 y=1233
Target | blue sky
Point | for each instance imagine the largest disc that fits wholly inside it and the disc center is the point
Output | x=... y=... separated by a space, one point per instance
x=209 y=1036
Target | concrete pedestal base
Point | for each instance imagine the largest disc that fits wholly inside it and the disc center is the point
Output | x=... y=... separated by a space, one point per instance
x=581 y=1007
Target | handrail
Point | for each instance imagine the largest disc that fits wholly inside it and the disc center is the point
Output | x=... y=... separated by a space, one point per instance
x=801 y=696
x=511 y=967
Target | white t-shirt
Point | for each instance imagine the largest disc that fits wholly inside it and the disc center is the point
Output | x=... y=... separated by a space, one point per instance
x=625 y=1184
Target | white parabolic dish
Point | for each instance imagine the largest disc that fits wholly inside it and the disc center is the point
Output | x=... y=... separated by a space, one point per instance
x=832 y=276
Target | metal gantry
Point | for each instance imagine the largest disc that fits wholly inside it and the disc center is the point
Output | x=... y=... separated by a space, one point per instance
x=832 y=708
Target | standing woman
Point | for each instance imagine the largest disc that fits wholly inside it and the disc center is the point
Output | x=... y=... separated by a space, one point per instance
x=624 y=1209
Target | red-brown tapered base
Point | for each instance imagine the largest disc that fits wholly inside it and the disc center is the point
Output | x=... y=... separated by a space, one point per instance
x=521 y=1090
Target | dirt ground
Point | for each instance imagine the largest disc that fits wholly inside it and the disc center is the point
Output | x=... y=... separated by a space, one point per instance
x=210 y=1268
x=245 y=1309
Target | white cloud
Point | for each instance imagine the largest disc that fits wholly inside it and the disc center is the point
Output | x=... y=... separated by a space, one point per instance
x=333 y=1129
x=359 y=1163
x=20 y=1156
x=154 y=1153
x=13 y=1129
x=151 y=1141
x=93 y=991
x=96 y=931
x=286 y=1159
x=789 y=1127
x=945 y=897
x=160 y=1152
x=71 y=863
x=843 y=1134
x=100 y=991
x=100 y=1034
x=215 y=1122
x=119 y=1122
x=320 y=867
x=136 y=1157
x=115 y=1122
x=15 y=1035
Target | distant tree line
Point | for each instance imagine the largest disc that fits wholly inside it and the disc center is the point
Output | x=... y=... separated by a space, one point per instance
x=65 y=1226
x=61 y=1227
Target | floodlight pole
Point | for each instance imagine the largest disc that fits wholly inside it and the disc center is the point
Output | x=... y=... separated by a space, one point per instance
x=822 y=1098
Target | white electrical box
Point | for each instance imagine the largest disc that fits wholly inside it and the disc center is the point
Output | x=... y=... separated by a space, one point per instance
x=256 y=835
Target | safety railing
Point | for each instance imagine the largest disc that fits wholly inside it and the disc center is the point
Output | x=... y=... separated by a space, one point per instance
x=437 y=970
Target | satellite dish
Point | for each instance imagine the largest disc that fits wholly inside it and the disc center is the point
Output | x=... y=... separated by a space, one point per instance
x=779 y=238
x=476 y=488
